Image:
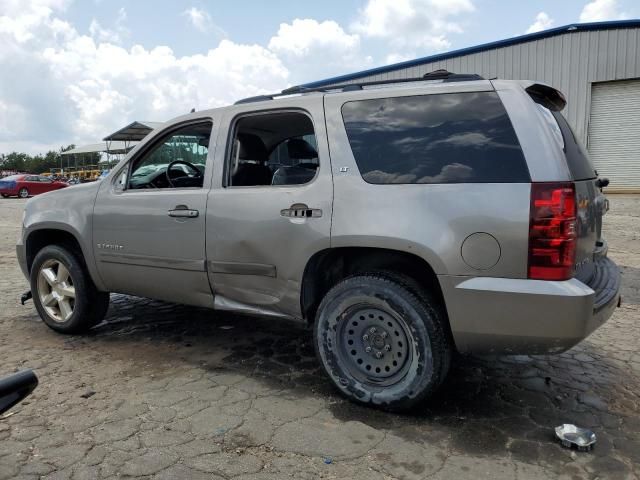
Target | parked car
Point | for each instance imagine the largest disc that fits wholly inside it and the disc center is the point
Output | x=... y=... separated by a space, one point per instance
x=24 y=186
x=400 y=222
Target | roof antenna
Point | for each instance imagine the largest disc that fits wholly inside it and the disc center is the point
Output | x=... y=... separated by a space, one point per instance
x=193 y=110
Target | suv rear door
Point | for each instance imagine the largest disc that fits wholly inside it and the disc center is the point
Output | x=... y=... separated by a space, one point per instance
x=262 y=231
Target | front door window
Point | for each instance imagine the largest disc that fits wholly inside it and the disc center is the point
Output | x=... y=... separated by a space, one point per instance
x=177 y=161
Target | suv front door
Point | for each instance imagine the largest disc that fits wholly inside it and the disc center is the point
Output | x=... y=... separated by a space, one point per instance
x=148 y=231
x=269 y=212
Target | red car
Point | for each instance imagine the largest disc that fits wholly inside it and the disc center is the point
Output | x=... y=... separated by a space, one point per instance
x=24 y=186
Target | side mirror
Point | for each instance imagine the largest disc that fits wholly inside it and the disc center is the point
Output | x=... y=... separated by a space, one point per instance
x=15 y=388
x=120 y=182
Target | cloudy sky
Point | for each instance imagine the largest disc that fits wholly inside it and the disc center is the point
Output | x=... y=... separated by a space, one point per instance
x=74 y=71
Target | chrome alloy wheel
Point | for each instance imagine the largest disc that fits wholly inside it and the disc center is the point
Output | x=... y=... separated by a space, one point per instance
x=56 y=291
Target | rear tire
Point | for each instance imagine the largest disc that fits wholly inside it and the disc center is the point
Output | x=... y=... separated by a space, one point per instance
x=382 y=341
x=4 y=195
x=64 y=294
x=23 y=193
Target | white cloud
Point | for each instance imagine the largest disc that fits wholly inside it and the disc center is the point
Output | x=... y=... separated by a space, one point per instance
x=203 y=22
x=317 y=47
x=58 y=86
x=19 y=19
x=600 y=10
x=543 y=22
x=115 y=35
x=61 y=85
x=108 y=86
x=399 y=57
x=301 y=37
x=422 y=24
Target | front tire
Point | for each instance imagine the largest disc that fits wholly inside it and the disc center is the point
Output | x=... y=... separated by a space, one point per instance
x=382 y=341
x=4 y=195
x=64 y=294
x=23 y=193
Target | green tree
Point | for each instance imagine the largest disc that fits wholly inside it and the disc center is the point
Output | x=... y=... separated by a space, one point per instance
x=24 y=162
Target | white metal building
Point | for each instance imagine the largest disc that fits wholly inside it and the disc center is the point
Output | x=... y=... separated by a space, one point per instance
x=596 y=66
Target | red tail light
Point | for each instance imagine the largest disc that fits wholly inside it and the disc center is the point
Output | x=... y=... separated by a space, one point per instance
x=552 y=231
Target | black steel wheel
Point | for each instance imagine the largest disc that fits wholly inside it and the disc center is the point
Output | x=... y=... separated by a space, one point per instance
x=382 y=341
x=374 y=345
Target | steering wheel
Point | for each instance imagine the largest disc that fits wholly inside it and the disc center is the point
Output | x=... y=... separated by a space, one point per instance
x=198 y=173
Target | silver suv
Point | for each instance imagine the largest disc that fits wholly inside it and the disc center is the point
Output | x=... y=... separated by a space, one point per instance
x=401 y=221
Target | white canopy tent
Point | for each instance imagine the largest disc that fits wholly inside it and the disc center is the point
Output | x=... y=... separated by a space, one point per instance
x=114 y=147
x=116 y=144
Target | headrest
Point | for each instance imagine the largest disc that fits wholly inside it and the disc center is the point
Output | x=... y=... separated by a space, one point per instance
x=301 y=149
x=252 y=148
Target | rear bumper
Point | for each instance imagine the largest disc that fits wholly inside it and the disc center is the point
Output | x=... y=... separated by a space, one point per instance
x=520 y=316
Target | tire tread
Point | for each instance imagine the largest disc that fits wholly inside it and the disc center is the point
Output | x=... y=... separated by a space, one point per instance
x=439 y=337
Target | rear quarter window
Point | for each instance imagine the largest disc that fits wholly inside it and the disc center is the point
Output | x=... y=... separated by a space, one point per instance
x=443 y=138
x=578 y=162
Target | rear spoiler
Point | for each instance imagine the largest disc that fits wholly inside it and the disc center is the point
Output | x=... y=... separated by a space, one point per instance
x=547 y=96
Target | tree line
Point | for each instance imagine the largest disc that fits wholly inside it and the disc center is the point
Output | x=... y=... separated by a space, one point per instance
x=42 y=163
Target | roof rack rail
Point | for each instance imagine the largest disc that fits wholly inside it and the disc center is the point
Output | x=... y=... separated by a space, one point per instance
x=447 y=76
x=258 y=98
x=441 y=74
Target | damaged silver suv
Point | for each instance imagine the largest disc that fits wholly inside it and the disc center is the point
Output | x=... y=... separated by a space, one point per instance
x=402 y=221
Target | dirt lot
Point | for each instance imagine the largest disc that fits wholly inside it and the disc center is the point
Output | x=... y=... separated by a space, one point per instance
x=179 y=392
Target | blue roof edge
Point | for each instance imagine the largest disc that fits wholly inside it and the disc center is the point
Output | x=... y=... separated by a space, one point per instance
x=574 y=27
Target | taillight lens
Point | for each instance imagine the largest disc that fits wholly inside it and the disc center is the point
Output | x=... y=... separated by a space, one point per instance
x=552 y=231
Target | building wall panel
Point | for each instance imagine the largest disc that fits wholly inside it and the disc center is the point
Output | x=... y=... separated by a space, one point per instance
x=572 y=62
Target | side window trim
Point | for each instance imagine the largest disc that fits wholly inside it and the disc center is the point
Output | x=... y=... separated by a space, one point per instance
x=231 y=139
x=150 y=147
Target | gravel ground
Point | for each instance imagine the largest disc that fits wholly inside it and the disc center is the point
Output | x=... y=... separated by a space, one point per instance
x=179 y=392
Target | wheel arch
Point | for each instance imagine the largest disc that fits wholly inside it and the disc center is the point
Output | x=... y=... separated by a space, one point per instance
x=327 y=267
x=57 y=234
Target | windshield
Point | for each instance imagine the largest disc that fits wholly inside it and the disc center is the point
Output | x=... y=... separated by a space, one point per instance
x=11 y=178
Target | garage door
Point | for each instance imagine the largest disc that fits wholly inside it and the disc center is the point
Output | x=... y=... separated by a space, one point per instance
x=614 y=133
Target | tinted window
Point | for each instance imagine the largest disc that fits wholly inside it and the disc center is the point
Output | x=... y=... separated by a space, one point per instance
x=275 y=148
x=578 y=162
x=446 y=138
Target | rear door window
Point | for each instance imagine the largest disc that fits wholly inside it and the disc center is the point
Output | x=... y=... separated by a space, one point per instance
x=445 y=138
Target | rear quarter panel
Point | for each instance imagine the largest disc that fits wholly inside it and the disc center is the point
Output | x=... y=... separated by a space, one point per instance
x=431 y=221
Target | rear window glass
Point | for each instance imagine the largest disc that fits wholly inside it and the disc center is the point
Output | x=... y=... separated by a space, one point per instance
x=577 y=160
x=444 y=138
